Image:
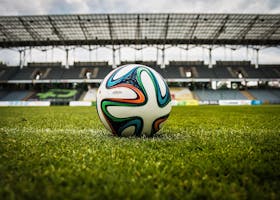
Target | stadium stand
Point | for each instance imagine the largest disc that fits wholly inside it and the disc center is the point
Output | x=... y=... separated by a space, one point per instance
x=3 y=93
x=151 y=64
x=183 y=69
x=71 y=73
x=54 y=73
x=205 y=72
x=222 y=70
x=14 y=95
x=252 y=72
x=175 y=70
x=235 y=69
x=270 y=71
x=44 y=64
x=276 y=92
x=7 y=72
x=181 y=93
x=267 y=96
x=215 y=95
x=172 y=72
x=103 y=71
x=90 y=95
x=23 y=74
x=147 y=63
x=90 y=70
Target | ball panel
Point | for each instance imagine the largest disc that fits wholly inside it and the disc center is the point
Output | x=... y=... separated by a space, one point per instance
x=162 y=100
x=129 y=131
x=137 y=98
x=122 y=71
x=157 y=124
x=133 y=99
x=126 y=78
x=119 y=92
x=162 y=85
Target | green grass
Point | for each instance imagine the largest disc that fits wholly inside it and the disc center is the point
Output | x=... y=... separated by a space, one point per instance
x=205 y=152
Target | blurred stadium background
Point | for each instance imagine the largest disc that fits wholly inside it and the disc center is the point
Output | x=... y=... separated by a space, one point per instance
x=50 y=55
x=192 y=82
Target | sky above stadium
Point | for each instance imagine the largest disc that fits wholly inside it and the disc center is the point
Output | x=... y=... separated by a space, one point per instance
x=43 y=7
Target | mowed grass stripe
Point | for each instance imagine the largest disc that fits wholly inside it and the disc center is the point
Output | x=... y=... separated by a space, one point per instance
x=202 y=152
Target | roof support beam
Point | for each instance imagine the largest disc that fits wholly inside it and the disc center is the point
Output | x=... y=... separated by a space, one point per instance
x=166 y=27
x=189 y=35
x=110 y=27
x=83 y=27
x=9 y=36
x=138 y=33
x=30 y=30
x=5 y=44
x=221 y=29
x=267 y=35
x=56 y=29
x=242 y=34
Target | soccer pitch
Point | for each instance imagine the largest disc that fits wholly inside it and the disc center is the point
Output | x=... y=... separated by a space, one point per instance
x=208 y=152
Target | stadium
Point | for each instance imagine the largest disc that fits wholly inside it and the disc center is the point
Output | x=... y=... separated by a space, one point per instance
x=208 y=148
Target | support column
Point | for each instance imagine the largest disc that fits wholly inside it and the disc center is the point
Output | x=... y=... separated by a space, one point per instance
x=30 y=54
x=210 y=58
x=114 y=58
x=89 y=54
x=257 y=59
x=52 y=54
x=96 y=53
x=67 y=59
x=46 y=55
x=247 y=53
x=24 y=57
x=21 y=62
x=120 y=56
x=157 y=54
x=163 y=58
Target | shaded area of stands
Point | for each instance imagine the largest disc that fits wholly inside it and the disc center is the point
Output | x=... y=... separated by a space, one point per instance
x=90 y=95
x=13 y=95
x=215 y=95
x=174 y=70
x=265 y=95
x=271 y=95
x=65 y=95
x=23 y=74
x=222 y=70
x=3 y=93
x=6 y=73
x=181 y=93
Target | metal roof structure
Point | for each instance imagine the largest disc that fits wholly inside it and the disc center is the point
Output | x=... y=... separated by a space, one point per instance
x=126 y=29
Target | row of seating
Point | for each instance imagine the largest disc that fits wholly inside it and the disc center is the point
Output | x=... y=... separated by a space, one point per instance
x=175 y=70
x=13 y=95
x=215 y=95
x=270 y=95
x=266 y=95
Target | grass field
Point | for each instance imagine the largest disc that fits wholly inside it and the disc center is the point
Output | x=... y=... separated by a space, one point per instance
x=205 y=152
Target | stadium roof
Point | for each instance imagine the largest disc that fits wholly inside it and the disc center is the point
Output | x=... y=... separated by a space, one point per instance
x=117 y=29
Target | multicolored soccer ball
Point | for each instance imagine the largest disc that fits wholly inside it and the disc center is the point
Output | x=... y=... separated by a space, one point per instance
x=133 y=100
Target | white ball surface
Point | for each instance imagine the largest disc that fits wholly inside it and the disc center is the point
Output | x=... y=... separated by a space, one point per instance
x=133 y=100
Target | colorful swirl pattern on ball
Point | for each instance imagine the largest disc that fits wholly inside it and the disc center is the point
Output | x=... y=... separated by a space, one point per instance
x=132 y=80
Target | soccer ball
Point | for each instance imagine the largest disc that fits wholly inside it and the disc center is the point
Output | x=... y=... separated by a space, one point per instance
x=133 y=100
